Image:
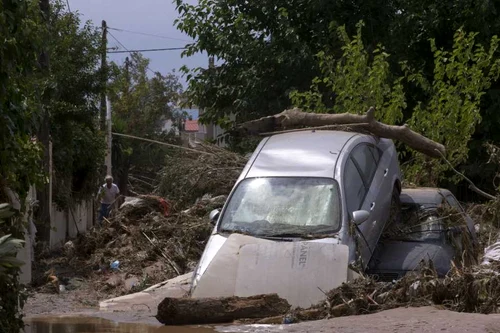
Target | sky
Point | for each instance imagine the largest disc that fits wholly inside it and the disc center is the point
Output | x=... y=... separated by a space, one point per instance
x=144 y=16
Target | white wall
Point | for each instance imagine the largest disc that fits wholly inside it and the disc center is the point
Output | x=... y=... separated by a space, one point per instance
x=26 y=253
x=69 y=223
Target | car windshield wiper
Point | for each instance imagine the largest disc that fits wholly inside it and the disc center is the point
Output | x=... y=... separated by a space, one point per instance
x=235 y=231
x=299 y=234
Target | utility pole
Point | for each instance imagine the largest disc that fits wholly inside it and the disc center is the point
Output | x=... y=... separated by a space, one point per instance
x=104 y=76
x=108 y=138
x=127 y=75
x=44 y=192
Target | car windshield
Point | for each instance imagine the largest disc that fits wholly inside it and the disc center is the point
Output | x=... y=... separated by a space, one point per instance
x=284 y=207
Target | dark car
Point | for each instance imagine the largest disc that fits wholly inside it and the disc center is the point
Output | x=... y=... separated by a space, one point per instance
x=423 y=234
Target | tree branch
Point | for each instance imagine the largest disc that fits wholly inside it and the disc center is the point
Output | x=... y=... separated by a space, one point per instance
x=472 y=186
x=289 y=119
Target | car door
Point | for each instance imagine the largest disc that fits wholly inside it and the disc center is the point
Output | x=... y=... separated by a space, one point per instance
x=366 y=158
x=355 y=192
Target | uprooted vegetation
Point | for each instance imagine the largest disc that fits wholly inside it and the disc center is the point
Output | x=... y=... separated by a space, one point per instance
x=150 y=244
x=154 y=238
x=190 y=175
x=473 y=289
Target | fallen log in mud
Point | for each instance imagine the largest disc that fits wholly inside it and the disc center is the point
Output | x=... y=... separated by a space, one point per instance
x=294 y=118
x=184 y=311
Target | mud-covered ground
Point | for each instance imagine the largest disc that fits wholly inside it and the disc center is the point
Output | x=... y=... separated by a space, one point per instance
x=401 y=320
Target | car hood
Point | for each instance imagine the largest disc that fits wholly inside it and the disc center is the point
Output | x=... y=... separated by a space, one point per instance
x=216 y=242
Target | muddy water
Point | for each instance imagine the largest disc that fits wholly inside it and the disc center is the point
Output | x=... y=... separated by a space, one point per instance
x=98 y=325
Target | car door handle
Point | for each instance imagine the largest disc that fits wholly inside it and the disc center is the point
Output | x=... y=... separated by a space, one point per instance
x=386 y=171
x=372 y=206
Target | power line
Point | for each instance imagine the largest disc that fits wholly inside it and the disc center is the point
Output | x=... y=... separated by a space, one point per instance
x=116 y=39
x=151 y=50
x=127 y=50
x=148 y=34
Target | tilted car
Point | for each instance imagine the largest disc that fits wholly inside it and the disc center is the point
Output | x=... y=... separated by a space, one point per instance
x=422 y=235
x=309 y=186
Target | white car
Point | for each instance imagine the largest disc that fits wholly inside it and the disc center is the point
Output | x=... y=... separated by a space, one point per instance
x=310 y=186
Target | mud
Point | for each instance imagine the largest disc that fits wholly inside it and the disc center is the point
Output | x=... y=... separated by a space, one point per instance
x=401 y=320
x=89 y=324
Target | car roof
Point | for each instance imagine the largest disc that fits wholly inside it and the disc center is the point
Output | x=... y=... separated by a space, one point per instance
x=423 y=195
x=304 y=153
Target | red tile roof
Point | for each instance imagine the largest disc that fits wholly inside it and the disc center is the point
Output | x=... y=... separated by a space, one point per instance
x=191 y=126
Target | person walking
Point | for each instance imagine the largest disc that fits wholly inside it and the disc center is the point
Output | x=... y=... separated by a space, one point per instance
x=108 y=193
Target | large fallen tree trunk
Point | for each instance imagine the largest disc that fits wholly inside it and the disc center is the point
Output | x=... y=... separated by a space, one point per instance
x=294 y=118
x=184 y=311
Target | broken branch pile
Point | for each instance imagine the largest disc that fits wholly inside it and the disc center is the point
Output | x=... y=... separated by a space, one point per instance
x=474 y=289
x=144 y=234
x=189 y=175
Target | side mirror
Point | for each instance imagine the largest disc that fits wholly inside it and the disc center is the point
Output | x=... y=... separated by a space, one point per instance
x=360 y=216
x=214 y=216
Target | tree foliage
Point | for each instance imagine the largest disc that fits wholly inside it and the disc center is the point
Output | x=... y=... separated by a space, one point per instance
x=452 y=112
x=448 y=114
x=140 y=101
x=354 y=82
x=78 y=146
x=140 y=105
x=267 y=49
x=11 y=319
x=19 y=153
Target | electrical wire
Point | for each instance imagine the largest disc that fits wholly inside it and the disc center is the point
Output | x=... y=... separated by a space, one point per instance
x=148 y=34
x=127 y=50
x=120 y=43
x=151 y=50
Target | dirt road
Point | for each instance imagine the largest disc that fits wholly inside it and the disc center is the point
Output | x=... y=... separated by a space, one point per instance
x=402 y=320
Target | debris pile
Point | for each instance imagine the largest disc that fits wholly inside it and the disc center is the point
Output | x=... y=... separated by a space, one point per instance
x=189 y=176
x=474 y=289
x=145 y=242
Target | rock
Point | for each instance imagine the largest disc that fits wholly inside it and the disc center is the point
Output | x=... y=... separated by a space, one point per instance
x=131 y=283
x=114 y=281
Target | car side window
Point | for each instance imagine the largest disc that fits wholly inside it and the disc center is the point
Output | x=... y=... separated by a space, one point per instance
x=354 y=187
x=367 y=158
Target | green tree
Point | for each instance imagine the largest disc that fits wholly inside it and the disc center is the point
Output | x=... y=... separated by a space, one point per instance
x=354 y=82
x=78 y=146
x=266 y=49
x=20 y=154
x=140 y=105
x=452 y=112
x=449 y=113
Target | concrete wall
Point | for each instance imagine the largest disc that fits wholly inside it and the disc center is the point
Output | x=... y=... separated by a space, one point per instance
x=67 y=224
x=26 y=253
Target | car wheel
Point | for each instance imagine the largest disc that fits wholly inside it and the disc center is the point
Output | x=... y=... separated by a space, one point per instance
x=395 y=209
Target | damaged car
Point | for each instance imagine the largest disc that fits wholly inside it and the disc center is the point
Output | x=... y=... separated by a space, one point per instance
x=434 y=226
x=309 y=203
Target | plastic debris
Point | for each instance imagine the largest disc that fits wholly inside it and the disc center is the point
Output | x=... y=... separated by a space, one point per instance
x=115 y=264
